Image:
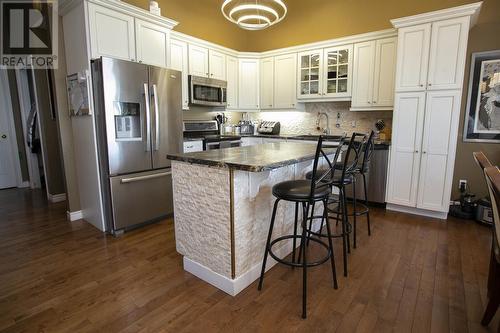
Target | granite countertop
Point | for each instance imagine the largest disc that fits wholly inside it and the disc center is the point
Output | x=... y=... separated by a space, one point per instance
x=255 y=158
x=299 y=137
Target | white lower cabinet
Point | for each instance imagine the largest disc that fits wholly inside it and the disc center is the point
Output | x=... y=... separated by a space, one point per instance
x=425 y=129
x=404 y=165
x=438 y=149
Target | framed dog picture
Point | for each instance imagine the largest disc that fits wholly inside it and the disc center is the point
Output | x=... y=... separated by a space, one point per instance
x=482 y=116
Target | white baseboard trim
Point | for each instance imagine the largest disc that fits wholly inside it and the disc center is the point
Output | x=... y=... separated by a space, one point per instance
x=417 y=211
x=56 y=197
x=73 y=216
x=24 y=184
x=235 y=286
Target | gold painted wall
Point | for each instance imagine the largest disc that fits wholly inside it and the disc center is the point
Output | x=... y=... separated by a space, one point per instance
x=202 y=19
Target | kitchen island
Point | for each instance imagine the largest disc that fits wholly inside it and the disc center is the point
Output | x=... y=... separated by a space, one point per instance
x=223 y=204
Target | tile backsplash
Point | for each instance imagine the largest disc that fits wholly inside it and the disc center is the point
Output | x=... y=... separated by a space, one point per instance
x=305 y=122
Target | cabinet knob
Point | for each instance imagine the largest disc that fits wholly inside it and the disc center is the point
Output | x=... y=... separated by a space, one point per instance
x=430 y=84
x=132 y=59
x=416 y=151
x=212 y=74
x=421 y=85
x=369 y=102
x=424 y=152
x=208 y=74
x=374 y=102
x=270 y=105
x=140 y=61
x=293 y=104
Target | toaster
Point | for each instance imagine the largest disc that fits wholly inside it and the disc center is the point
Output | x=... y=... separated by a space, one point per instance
x=269 y=127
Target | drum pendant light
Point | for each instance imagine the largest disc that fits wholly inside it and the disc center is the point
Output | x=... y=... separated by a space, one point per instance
x=254 y=15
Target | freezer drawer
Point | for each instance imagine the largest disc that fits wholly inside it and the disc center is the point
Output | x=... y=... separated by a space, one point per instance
x=141 y=197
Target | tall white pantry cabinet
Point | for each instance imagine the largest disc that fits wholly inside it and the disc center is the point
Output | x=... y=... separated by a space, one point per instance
x=429 y=76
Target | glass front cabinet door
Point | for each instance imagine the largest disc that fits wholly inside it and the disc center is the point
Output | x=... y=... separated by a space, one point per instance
x=325 y=73
x=310 y=74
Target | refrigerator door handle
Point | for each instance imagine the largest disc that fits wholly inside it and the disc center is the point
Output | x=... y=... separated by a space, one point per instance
x=148 y=118
x=140 y=178
x=157 y=118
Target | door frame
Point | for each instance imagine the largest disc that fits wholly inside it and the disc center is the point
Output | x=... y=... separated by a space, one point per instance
x=25 y=99
x=4 y=84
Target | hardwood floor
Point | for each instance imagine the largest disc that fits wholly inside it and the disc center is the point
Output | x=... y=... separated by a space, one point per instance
x=413 y=274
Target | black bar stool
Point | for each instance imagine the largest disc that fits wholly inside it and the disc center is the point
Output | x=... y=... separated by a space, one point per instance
x=338 y=204
x=307 y=193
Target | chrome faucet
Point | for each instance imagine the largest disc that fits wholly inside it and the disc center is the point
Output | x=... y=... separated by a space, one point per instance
x=326 y=130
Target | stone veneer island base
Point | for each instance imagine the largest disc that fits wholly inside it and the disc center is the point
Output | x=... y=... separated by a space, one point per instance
x=223 y=205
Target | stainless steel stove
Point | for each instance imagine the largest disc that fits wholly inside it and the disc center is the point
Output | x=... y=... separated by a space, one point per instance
x=208 y=131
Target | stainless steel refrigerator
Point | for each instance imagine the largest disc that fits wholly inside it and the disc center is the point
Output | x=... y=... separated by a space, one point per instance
x=138 y=112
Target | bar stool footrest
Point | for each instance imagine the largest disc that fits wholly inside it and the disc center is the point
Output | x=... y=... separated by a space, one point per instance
x=293 y=264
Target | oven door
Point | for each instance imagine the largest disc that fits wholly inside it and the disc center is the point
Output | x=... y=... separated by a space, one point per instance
x=222 y=144
x=207 y=92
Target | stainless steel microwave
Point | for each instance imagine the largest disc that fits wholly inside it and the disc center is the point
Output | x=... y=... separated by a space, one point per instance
x=206 y=91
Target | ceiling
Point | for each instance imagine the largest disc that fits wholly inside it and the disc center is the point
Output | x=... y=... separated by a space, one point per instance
x=306 y=21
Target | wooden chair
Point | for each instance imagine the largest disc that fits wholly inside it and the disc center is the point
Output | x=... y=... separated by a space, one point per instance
x=481 y=160
x=492 y=175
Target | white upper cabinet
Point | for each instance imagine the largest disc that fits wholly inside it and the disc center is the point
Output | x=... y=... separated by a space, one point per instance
x=385 y=72
x=248 y=84
x=310 y=74
x=325 y=74
x=198 y=61
x=179 y=61
x=111 y=33
x=232 y=82
x=151 y=43
x=267 y=83
x=413 y=57
x=217 y=65
x=447 y=53
x=337 y=71
x=364 y=69
x=373 y=75
x=285 y=81
x=438 y=149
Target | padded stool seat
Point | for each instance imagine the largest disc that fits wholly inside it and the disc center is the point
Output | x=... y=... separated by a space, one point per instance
x=298 y=190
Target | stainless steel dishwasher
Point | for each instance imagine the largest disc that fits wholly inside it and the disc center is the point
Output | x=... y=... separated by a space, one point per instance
x=376 y=177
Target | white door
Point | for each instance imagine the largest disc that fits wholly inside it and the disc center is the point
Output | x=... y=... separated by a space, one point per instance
x=8 y=163
x=198 y=61
x=447 y=53
x=179 y=61
x=248 y=84
x=310 y=74
x=364 y=61
x=407 y=127
x=111 y=33
x=285 y=81
x=385 y=72
x=151 y=43
x=438 y=149
x=337 y=71
x=267 y=83
x=217 y=65
x=413 y=57
x=232 y=82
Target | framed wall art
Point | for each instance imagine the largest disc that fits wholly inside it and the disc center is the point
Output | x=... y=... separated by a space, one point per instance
x=482 y=116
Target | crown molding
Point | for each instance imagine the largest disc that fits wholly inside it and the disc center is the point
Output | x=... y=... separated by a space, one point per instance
x=66 y=6
x=200 y=42
x=471 y=10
